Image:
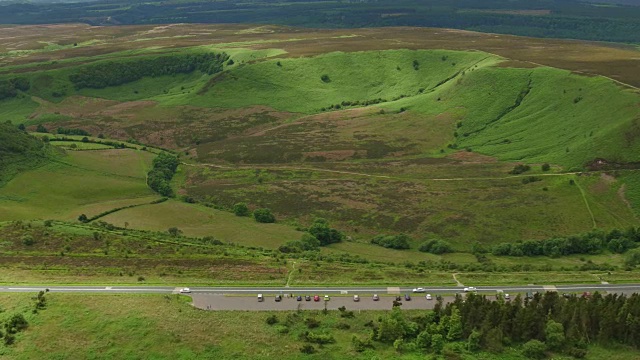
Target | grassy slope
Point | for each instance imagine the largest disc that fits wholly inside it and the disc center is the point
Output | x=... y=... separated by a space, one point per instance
x=81 y=179
x=18 y=152
x=197 y=220
x=296 y=85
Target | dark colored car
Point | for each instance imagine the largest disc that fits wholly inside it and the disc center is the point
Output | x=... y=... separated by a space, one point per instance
x=307 y=298
x=278 y=298
x=407 y=297
x=566 y=295
x=299 y=298
x=398 y=298
x=529 y=296
x=316 y=298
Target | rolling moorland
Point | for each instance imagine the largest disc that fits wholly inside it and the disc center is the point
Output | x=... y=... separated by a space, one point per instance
x=435 y=156
x=589 y=20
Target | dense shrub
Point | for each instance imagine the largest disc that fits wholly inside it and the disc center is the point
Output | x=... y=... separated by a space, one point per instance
x=241 y=209
x=519 y=169
x=398 y=242
x=321 y=230
x=436 y=246
x=593 y=242
x=264 y=215
x=159 y=178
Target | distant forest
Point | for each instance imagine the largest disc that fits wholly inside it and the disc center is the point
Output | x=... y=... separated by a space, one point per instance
x=588 y=20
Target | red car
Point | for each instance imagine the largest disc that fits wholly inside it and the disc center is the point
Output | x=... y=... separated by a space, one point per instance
x=316 y=298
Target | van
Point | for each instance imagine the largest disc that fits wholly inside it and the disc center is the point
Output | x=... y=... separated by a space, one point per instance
x=260 y=298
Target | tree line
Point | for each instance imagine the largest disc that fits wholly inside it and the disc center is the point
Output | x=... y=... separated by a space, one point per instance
x=114 y=73
x=159 y=178
x=593 y=242
x=9 y=88
x=548 y=323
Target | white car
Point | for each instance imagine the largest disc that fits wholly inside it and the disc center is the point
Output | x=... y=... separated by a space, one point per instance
x=185 y=291
x=419 y=290
x=356 y=298
x=470 y=288
x=506 y=296
x=428 y=297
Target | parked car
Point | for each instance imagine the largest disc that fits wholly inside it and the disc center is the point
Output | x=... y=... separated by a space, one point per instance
x=326 y=298
x=376 y=297
x=316 y=298
x=419 y=290
x=398 y=298
x=260 y=298
x=299 y=298
x=438 y=297
x=566 y=295
x=586 y=294
x=307 y=298
x=356 y=298
x=507 y=297
x=407 y=297
x=185 y=291
x=278 y=298
x=528 y=295
x=428 y=297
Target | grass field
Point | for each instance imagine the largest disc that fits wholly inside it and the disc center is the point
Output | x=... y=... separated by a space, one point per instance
x=157 y=327
x=197 y=220
x=80 y=180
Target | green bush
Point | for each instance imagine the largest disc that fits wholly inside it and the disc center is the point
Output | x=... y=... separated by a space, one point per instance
x=398 y=242
x=534 y=349
x=264 y=215
x=241 y=209
x=435 y=246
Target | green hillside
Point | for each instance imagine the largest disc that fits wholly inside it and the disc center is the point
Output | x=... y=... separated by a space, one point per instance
x=18 y=151
x=297 y=85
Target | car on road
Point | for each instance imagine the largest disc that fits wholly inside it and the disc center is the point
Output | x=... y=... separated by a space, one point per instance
x=419 y=290
x=428 y=297
x=307 y=298
x=376 y=297
x=278 y=298
x=316 y=298
x=407 y=297
x=356 y=298
x=470 y=289
x=327 y=298
x=185 y=291
x=299 y=298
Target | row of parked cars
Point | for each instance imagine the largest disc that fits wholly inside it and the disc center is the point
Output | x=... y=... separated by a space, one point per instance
x=356 y=298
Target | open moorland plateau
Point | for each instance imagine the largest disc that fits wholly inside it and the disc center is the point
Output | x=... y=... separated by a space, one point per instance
x=148 y=155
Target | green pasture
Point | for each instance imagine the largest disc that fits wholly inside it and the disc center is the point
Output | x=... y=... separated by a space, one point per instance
x=79 y=180
x=198 y=220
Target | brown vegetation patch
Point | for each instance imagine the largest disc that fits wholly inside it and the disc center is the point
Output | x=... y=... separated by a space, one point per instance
x=467 y=157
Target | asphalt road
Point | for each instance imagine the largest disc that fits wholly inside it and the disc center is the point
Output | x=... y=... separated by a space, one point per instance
x=245 y=298
x=486 y=290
